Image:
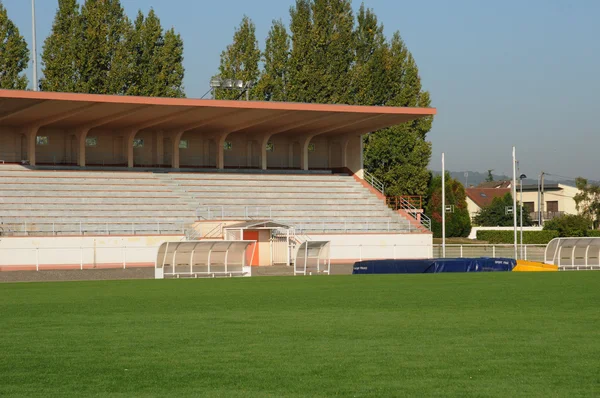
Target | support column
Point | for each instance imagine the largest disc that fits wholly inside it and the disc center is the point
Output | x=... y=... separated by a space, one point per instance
x=220 y=141
x=31 y=133
x=262 y=142
x=249 y=152
x=291 y=154
x=175 y=138
x=159 y=154
x=129 y=136
x=304 y=142
x=81 y=135
x=329 y=146
x=345 y=141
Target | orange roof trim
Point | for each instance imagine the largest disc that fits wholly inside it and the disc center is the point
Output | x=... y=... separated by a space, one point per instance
x=69 y=110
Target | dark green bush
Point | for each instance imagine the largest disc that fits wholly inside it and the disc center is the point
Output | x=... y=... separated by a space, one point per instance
x=529 y=237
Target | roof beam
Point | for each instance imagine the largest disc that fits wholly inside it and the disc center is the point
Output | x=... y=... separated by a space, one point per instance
x=383 y=124
x=343 y=126
x=202 y=123
x=159 y=120
x=63 y=115
x=258 y=122
x=301 y=123
x=21 y=110
x=113 y=118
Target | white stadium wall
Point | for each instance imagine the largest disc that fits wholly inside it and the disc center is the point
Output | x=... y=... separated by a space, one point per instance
x=80 y=252
x=355 y=247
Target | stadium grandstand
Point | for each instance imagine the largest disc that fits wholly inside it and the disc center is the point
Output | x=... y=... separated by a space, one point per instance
x=79 y=165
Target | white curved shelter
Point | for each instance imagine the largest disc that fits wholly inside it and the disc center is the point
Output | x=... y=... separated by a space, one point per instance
x=574 y=253
x=313 y=257
x=202 y=258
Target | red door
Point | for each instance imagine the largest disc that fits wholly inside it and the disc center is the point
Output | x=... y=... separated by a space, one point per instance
x=252 y=251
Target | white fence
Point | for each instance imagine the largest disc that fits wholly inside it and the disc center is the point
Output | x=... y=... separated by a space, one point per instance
x=529 y=252
x=84 y=257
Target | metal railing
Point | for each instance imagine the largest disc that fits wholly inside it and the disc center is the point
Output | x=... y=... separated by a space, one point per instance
x=352 y=225
x=546 y=215
x=198 y=232
x=417 y=213
x=530 y=252
x=151 y=227
x=396 y=202
x=234 y=212
x=374 y=182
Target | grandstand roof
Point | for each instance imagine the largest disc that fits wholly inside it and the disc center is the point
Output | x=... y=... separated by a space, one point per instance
x=66 y=110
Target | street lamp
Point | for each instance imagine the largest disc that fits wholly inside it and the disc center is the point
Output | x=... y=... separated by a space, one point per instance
x=521 y=178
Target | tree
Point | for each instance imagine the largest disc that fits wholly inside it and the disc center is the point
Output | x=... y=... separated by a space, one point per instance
x=170 y=78
x=369 y=72
x=14 y=54
x=104 y=58
x=96 y=49
x=272 y=85
x=60 y=59
x=322 y=53
x=495 y=214
x=569 y=225
x=240 y=59
x=399 y=155
x=490 y=176
x=458 y=222
x=587 y=200
x=158 y=57
x=300 y=66
x=332 y=42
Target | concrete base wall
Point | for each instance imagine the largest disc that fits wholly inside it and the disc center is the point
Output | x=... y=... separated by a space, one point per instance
x=45 y=253
x=27 y=253
x=356 y=247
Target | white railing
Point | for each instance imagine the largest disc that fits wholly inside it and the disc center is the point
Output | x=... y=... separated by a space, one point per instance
x=374 y=182
x=233 y=212
x=85 y=257
x=351 y=225
x=530 y=252
x=150 y=227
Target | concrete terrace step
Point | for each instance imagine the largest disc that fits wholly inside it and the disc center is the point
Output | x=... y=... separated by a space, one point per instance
x=71 y=199
x=75 y=193
x=84 y=187
x=260 y=184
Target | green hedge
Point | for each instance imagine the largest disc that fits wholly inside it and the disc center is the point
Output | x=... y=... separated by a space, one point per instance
x=594 y=233
x=529 y=237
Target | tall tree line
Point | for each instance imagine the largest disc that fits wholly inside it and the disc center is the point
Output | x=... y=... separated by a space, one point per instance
x=95 y=48
x=329 y=55
x=14 y=54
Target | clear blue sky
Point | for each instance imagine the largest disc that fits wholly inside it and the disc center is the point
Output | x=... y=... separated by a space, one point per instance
x=501 y=73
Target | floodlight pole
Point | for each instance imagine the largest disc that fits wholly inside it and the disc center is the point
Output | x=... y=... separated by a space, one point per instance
x=521 y=212
x=34 y=47
x=514 y=195
x=443 y=207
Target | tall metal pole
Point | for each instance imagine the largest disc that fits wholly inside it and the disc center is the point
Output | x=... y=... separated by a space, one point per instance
x=542 y=200
x=34 y=47
x=521 y=212
x=539 y=214
x=514 y=192
x=443 y=207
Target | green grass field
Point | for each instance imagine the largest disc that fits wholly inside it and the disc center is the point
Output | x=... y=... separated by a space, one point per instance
x=494 y=334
